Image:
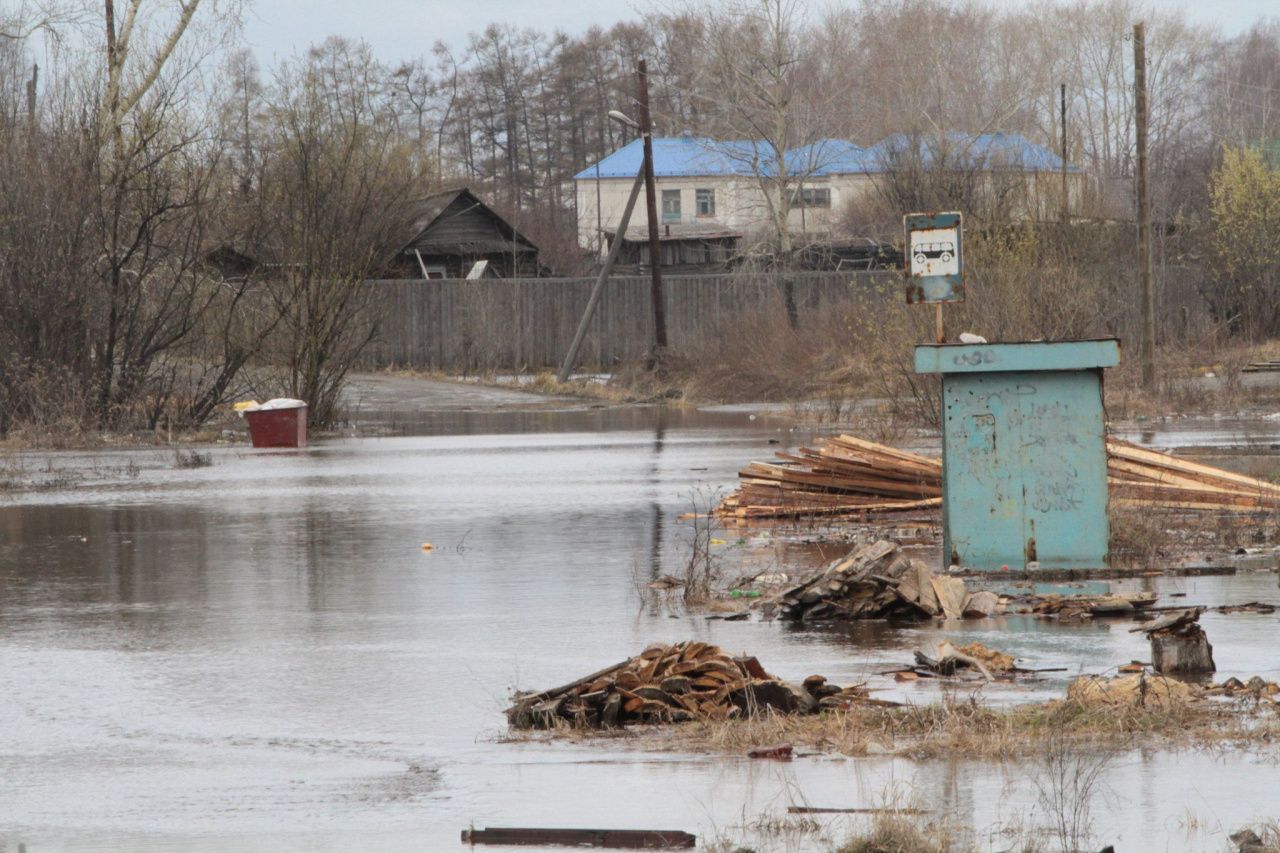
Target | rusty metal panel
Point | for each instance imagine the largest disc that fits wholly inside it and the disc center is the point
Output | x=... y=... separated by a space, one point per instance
x=1024 y=457
x=932 y=257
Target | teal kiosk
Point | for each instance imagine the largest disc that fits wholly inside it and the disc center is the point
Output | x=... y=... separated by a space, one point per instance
x=1024 y=457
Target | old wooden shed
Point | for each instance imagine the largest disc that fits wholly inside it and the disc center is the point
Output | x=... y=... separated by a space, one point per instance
x=456 y=235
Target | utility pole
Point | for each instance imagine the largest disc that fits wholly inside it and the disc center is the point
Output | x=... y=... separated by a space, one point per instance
x=620 y=237
x=31 y=94
x=651 y=199
x=1066 y=208
x=1147 y=349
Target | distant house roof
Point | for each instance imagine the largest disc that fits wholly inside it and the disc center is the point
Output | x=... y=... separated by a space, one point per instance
x=690 y=156
x=678 y=231
x=456 y=221
x=986 y=150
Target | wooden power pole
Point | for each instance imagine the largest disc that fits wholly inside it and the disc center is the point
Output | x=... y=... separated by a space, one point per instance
x=651 y=199
x=1147 y=348
x=1066 y=205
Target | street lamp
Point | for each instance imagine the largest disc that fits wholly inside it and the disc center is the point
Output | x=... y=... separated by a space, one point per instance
x=622 y=118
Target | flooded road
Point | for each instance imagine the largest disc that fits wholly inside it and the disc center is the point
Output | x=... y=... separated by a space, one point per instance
x=260 y=655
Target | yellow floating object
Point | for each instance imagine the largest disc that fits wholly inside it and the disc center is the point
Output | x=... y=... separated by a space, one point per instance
x=718 y=542
x=244 y=404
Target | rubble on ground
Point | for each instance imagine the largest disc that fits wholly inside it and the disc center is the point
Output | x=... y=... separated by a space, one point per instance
x=1256 y=687
x=948 y=660
x=678 y=683
x=1073 y=607
x=1133 y=691
x=876 y=581
x=1249 y=607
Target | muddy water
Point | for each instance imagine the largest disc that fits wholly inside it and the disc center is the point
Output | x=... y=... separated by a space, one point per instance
x=261 y=655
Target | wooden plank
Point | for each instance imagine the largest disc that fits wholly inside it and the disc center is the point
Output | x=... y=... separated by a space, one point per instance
x=822 y=810
x=613 y=839
x=1125 y=450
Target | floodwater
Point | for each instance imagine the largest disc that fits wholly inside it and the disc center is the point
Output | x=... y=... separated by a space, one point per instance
x=260 y=655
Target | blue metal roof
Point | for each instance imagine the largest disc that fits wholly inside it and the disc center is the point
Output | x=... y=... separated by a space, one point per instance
x=690 y=156
x=983 y=150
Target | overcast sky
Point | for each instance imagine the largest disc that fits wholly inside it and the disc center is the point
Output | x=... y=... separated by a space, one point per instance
x=402 y=29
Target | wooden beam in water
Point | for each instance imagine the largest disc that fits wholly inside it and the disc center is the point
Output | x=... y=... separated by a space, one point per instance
x=614 y=839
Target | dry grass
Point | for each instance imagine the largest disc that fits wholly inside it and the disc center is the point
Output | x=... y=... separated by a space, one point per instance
x=895 y=833
x=1150 y=535
x=968 y=728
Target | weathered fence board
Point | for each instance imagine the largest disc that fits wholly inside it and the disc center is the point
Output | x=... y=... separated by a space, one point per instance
x=527 y=324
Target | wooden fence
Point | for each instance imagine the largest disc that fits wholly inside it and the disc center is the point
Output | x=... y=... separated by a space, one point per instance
x=527 y=324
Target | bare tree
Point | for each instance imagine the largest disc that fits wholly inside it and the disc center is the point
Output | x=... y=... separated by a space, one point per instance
x=335 y=188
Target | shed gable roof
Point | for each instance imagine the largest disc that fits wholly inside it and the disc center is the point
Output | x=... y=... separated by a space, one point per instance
x=457 y=222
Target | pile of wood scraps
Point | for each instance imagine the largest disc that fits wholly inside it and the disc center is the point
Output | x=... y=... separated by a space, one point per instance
x=677 y=683
x=949 y=660
x=1075 y=607
x=850 y=477
x=876 y=581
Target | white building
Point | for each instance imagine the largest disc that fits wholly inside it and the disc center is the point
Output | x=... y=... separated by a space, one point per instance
x=710 y=187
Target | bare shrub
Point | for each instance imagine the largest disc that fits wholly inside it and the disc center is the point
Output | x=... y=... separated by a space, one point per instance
x=1068 y=777
x=702 y=568
x=191 y=459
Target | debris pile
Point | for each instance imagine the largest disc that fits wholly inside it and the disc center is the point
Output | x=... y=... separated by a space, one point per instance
x=849 y=476
x=1073 y=607
x=1257 y=687
x=876 y=581
x=677 y=683
x=1133 y=691
x=948 y=660
x=1178 y=643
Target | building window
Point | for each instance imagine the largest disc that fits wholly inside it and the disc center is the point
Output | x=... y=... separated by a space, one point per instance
x=671 y=205
x=706 y=202
x=812 y=197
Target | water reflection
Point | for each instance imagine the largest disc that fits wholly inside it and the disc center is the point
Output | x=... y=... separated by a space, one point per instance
x=260 y=654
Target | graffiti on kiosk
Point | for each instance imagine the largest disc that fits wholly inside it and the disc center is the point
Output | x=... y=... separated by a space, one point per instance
x=974 y=358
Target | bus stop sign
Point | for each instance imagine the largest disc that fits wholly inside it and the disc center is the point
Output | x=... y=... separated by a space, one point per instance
x=934 y=263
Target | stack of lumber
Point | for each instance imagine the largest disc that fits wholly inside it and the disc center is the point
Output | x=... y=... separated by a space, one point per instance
x=844 y=475
x=1137 y=476
x=675 y=683
x=849 y=476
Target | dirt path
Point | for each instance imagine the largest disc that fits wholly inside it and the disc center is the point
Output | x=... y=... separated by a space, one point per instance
x=388 y=392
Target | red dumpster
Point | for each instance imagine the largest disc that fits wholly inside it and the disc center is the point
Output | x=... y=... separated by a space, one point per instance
x=278 y=423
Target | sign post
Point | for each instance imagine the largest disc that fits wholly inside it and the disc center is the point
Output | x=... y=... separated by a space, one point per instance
x=934 y=261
